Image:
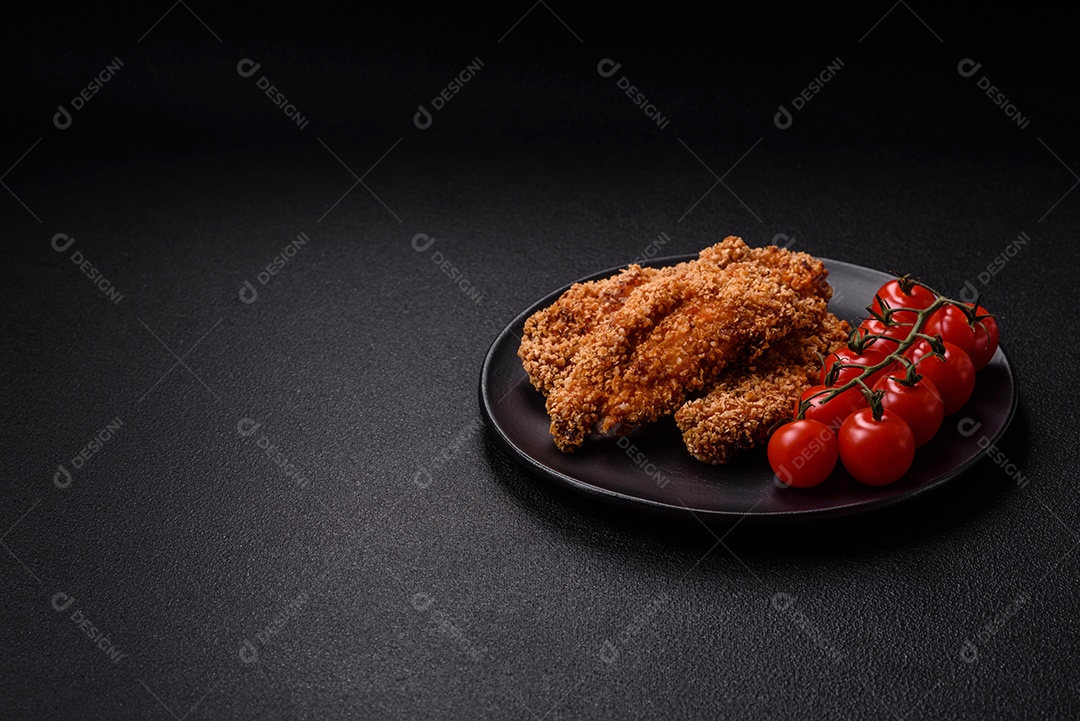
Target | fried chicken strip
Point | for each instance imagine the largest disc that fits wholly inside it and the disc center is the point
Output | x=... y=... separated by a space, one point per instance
x=747 y=400
x=677 y=331
x=554 y=334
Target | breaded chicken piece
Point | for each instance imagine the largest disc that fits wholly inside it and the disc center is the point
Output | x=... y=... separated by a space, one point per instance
x=746 y=400
x=553 y=335
x=677 y=332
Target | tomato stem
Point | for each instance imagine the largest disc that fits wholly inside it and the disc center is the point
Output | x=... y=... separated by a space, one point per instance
x=922 y=315
x=912 y=376
x=874 y=399
x=906 y=283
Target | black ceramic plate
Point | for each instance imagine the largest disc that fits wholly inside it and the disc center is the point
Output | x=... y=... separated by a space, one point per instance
x=651 y=468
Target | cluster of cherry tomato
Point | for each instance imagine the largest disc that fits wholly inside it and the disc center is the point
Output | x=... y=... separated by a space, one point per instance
x=905 y=368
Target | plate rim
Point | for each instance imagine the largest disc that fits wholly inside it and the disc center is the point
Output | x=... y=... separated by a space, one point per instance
x=559 y=478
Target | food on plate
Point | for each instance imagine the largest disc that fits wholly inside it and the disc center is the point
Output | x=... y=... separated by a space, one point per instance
x=553 y=335
x=876 y=446
x=952 y=325
x=950 y=369
x=847 y=362
x=747 y=399
x=918 y=402
x=828 y=408
x=986 y=337
x=627 y=350
x=739 y=347
x=803 y=453
x=901 y=293
x=913 y=361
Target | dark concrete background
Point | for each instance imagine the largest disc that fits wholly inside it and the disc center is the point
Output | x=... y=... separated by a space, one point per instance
x=323 y=581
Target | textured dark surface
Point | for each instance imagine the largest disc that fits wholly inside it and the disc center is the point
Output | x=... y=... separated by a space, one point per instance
x=419 y=572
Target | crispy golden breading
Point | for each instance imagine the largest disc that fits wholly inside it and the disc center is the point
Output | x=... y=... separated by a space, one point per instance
x=741 y=323
x=748 y=399
x=676 y=332
x=552 y=335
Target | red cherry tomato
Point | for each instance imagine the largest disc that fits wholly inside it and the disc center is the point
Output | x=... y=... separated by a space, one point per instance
x=893 y=294
x=803 y=453
x=954 y=377
x=894 y=333
x=952 y=325
x=876 y=452
x=831 y=412
x=986 y=339
x=870 y=356
x=920 y=405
